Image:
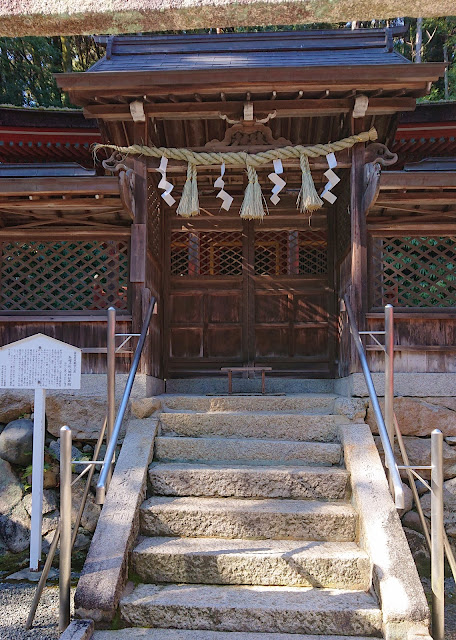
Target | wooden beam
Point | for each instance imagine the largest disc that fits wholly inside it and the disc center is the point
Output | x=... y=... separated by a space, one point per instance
x=97 y=185
x=64 y=233
x=418 y=180
x=394 y=227
x=415 y=198
x=108 y=204
x=285 y=108
x=339 y=78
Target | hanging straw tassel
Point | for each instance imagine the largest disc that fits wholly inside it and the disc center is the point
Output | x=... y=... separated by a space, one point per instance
x=252 y=207
x=308 y=199
x=189 y=204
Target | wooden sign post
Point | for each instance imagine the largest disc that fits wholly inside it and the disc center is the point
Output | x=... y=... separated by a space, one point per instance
x=39 y=362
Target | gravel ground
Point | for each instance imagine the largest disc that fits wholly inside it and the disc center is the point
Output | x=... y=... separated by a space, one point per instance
x=15 y=601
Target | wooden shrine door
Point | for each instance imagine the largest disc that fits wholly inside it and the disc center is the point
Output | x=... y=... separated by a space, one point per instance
x=243 y=292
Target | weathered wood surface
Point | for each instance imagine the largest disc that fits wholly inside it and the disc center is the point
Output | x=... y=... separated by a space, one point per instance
x=423 y=343
x=80 y=333
x=285 y=108
x=248 y=309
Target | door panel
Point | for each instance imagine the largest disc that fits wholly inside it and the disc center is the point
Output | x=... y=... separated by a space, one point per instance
x=250 y=294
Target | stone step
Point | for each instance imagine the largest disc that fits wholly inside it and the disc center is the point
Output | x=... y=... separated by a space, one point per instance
x=337 y=565
x=278 y=426
x=241 y=481
x=253 y=609
x=323 y=402
x=246 y=450
x=192 y=634
x=233 y=518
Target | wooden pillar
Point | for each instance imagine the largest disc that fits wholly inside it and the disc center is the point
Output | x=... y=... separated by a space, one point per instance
x=358 y=295
x=138 y=254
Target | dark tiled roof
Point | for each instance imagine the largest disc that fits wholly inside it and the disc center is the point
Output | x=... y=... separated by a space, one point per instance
x=340 y=47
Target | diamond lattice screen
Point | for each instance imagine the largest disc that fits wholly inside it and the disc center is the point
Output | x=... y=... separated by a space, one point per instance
x=290 y=252
x=206 y=253
x=64 y=276
x=414 y=272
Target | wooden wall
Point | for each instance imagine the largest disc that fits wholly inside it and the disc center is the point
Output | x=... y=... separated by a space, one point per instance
x=87 y=334
x=424 y=342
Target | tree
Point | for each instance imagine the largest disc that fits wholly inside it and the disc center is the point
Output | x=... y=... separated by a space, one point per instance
x=27 y=66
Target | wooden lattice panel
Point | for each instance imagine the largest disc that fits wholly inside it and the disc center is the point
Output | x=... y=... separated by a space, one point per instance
x=413 y=271
x=64 y=275
x=290 y=252
x=206 y=253
x=155 y=213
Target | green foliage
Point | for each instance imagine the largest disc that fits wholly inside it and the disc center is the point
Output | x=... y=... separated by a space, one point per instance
x=27 y=66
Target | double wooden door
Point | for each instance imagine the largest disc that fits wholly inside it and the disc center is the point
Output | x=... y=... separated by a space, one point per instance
x=243 y=292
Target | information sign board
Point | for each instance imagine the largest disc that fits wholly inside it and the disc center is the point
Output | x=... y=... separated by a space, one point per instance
x=39 y=362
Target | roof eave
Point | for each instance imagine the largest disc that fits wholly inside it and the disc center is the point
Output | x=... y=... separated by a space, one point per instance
x=404 y=75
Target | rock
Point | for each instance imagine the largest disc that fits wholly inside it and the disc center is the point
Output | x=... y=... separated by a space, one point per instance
x=11 y=490
x=87 y=449
x=421 y=487
x=83 y=414
x=145 y=407
x=411 y=520
x=419 y=416
x=420 y=552
x=408 y=500
x=31 y=576
x=91 y=511
x=49 y=502
x=54 y=448
x=15 y=529
x=14 y=405
x=449 y=503
x=451 y=530
x=419 y=453
x=50 y=522
x=51 y=479
x=16 y=442
x=82 y=542
x=352 y=408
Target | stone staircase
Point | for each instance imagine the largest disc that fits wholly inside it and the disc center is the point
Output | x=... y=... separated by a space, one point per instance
x=249 y=531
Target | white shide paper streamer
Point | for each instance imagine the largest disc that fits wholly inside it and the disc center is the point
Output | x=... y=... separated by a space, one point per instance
x=164 y=184
x=279 y=182
x=332 y=178
x=220 y=184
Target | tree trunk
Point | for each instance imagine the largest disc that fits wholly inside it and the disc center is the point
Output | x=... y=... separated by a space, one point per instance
x=418 y=39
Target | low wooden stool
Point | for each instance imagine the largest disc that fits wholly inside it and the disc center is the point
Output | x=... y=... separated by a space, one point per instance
x=243 y=370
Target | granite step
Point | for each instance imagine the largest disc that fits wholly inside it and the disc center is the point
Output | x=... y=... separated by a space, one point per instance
x=244 y=518
x=242 y=481
x=337 y=565
x=191 y=634
x=323 y=402
x=253 y=609
x=277 y=426
x=250 y=450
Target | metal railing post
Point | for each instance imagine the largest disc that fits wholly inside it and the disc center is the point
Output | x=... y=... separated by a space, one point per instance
x=389 y=376
x=111 y=370
x=110 y=451
x=65 y=528
x=396 y=482
x=111 y=375
x=437 y=534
